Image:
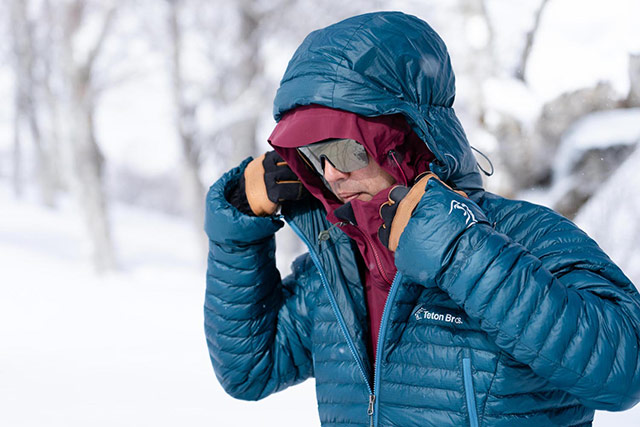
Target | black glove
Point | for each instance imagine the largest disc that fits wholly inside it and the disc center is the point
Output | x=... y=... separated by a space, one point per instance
x=282 y=184
x=267 y=182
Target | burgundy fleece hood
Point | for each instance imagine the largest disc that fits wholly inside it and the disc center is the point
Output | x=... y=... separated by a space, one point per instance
x=392 y=144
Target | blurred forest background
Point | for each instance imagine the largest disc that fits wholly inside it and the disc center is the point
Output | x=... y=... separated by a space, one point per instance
x=118 y=115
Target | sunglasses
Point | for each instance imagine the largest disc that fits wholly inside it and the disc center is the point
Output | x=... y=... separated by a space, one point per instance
x=346 y=155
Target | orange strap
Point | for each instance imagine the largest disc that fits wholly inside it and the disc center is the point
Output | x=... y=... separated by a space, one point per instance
x=406 y=207
x=256 y=189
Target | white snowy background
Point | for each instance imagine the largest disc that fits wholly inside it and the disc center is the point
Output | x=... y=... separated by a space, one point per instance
x=126 y=347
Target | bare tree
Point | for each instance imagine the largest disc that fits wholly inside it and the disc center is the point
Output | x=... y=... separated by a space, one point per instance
x=480 y=61
x=26 y=52
x=185 y=119
x=633 y=98
x=87 y=159
x=237 y=86
x=521 y=69
x=233 y=87
x=16 y=160
x=246 y=73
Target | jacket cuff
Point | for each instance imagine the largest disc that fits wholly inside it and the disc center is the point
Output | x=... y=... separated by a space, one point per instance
x=237 y=196
x=225 y=224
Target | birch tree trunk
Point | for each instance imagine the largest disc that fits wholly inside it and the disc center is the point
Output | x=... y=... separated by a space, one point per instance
x=185 y=120
x=245 y=86
x=87 y=160
x=25 y=51
x=16 y=172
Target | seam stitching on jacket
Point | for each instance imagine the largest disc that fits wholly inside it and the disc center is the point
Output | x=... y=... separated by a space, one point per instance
x=593 y=347
x=493 y=378
x=483 y=350
x=447 y=411
x=344 y=48
x=430 y=387
x=526 y=414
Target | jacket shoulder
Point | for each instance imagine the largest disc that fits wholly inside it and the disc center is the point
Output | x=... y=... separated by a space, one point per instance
x=560 y=244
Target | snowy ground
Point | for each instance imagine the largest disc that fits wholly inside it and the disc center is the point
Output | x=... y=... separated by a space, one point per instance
x=123 y=350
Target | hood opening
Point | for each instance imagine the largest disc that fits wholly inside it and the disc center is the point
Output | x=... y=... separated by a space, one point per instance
x=389 y=140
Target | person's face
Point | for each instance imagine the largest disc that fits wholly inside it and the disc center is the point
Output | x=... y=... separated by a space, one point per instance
x=361 y=184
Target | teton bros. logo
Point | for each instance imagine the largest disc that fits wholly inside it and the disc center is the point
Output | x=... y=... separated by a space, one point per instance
x=426 y=314
x=468 y=215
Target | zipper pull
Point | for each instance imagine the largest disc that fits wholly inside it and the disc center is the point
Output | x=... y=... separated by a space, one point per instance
x=372 y=400
x=324 y=234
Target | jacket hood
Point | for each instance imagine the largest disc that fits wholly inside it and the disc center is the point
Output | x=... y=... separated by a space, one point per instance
x=381 y=64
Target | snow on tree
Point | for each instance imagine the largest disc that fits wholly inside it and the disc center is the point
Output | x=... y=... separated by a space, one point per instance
x=612 y=216
x=590 y=151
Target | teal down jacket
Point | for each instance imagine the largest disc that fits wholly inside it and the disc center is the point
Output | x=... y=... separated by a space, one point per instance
x=527 y=323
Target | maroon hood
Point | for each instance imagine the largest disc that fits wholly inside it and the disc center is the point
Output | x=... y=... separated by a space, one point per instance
x=388 y=139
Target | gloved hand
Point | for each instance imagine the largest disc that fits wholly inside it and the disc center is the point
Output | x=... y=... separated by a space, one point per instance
x=268 y=182
x=455 y=207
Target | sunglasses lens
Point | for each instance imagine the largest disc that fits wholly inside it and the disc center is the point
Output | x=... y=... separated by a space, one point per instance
x=346 y=155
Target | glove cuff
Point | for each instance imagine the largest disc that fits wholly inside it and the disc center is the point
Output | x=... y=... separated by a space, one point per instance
x=256 y=189
x=406 y=207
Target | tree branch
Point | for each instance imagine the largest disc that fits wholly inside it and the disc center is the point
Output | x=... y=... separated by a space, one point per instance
x=104 y=31
x=526 y=52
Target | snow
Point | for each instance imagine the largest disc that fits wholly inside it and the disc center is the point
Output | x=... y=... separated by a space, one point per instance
x=580 y=42
x=596 y=130
x=611 y=217
x=510 y=21
x=127 y=349
x=513 y=98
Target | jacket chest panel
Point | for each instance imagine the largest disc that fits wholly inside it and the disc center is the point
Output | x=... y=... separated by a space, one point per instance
x=435 y=358
x=426 y=316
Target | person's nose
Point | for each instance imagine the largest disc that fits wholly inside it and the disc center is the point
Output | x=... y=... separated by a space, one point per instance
x=332 y=174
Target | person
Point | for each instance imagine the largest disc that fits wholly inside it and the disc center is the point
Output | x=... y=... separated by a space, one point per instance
x=423 y=299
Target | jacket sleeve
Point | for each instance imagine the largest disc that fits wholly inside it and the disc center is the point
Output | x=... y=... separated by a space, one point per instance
x=256 y=325
x=548 y=296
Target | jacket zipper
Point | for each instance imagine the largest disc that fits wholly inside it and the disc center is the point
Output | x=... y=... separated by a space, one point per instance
x=381 y=335
x=343 y=326
x=469 y=392
x=373 y=402
x=371 y=410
